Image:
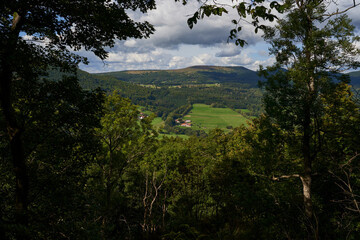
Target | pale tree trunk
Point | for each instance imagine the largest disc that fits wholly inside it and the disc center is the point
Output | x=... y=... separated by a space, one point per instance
x=164 y=210
x=307 y=151
x=150 y=196
x=306 y=177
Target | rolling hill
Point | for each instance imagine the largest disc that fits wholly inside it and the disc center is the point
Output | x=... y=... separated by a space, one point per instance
x=164 y=91
x=198 y=75
x=355 y=79
x=195 y=75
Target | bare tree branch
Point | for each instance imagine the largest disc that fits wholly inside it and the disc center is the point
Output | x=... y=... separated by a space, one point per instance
x=338 y=12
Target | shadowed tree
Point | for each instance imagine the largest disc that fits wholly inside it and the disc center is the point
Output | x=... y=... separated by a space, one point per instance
x=125 y=141
x=37 y=33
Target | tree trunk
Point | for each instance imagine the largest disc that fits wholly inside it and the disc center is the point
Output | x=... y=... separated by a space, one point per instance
x=16 y=147
x=7 y=63
x=306 y=177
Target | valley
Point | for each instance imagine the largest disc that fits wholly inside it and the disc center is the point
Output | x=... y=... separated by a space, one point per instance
x=166 y=93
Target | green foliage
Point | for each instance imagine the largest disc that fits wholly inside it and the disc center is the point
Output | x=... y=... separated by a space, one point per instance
x=34 y=36
x=126 y=140
x=59 y=121
x=235 y=87
x=297 y=101
x=77 y=166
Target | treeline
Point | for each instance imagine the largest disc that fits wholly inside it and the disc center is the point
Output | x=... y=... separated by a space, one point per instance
x=97 y=172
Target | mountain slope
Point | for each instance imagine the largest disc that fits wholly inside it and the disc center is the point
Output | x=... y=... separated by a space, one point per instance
x=165 y=99
x=195 y=75
x=355 y=79
x=239 y=76
x=164 y=91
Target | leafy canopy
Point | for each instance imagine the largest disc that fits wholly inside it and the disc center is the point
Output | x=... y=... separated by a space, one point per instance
x=88 y=24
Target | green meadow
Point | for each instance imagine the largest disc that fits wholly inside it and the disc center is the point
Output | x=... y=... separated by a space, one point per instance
x=161 y=135
x=158 y=123
x=205 y=117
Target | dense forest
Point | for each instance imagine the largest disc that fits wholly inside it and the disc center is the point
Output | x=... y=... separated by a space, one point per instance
x=78 y=163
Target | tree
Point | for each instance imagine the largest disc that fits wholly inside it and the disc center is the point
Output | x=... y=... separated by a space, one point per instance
x=36 y=34
x=58 y=121
x=125 y=139
x=306 y=72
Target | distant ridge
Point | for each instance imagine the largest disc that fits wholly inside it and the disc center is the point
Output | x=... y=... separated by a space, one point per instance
x=355 y=79
x=164 y=91
x=241 y=76
x=200 y=74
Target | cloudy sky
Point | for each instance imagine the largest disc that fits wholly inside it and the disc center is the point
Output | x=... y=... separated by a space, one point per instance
x=174 y=45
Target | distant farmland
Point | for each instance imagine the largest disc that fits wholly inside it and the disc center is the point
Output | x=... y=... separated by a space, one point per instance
x=205 y=117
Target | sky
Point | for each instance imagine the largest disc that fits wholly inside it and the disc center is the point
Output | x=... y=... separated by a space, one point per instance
x=174 y=45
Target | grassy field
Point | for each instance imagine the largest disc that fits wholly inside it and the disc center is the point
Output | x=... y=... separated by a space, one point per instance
x=161 y=136
x=158 y=123
x=205 y=117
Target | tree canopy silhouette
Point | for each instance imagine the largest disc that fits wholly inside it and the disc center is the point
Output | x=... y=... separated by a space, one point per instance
x=36 y=34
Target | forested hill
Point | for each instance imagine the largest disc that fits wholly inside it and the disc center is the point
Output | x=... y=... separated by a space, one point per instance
x=196 y=75
x=163 y=91
x=190 y=76
x=355 y=79
x=163 y=94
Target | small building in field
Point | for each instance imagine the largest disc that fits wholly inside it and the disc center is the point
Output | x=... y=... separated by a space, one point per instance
x=186 y=125
x=142 y=116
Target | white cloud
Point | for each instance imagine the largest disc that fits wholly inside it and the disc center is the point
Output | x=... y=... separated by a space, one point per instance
x=228 y=50
x=113 y=57
x=130 y=43
x=138 y=58
x=177 y=62
x=163 y=50
x=174 y=45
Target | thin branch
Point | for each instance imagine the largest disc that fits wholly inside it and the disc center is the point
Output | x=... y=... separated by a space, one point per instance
x=338 y=12
x=350 y=160
x=285 y=177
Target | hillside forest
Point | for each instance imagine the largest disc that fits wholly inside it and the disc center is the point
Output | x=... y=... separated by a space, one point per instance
x=78 y=162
